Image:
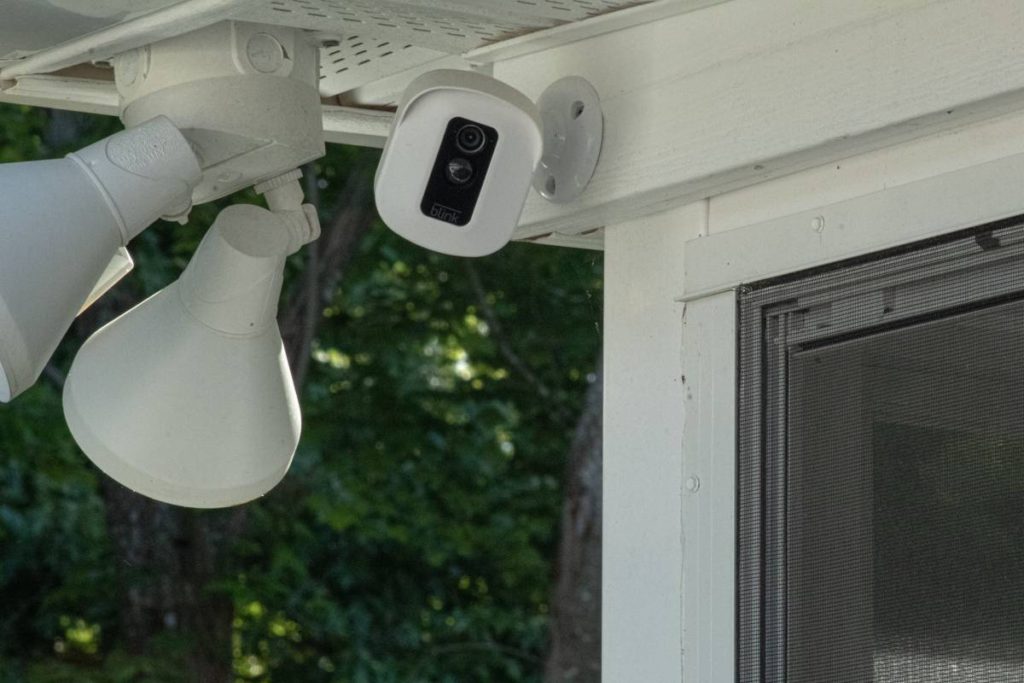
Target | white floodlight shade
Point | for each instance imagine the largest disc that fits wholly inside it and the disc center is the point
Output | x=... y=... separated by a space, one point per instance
x=188 y=397
x=62 y=223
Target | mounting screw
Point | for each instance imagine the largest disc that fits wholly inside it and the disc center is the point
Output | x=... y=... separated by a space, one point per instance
x=692 y=484
x=132 y=67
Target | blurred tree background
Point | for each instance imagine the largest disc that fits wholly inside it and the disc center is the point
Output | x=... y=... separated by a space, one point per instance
x=451 y=429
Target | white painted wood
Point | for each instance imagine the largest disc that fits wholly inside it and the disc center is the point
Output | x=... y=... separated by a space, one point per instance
x=351 y=126
x=592 y=240
x=164 y=23
x=439 y=26
x=62 y=92
x=31 y=26
x=580 y=30
x=643 y=446
x=744 y=91
x=709 y=490
x=387 y=89
x=864 y=174
x=880 y=219
x=342 y=125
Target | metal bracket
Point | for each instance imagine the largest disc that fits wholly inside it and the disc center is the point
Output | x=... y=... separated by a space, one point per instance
x=284 y=197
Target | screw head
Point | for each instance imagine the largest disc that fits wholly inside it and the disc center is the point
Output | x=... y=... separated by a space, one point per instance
x=265 y=53
x=131 y=67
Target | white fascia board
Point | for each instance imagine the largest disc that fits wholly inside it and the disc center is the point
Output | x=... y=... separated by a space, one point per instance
x=744 y=91
x=887 y=198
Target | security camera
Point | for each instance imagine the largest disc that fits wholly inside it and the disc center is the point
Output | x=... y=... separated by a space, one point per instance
x=459 y=162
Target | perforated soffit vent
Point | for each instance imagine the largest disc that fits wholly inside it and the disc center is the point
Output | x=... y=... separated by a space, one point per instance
x=366 y=40
x=376 y=39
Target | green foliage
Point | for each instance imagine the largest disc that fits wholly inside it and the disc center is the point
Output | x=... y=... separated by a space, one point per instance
x=413 y=539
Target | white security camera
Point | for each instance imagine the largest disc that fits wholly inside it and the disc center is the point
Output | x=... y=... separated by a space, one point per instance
x=459 y=163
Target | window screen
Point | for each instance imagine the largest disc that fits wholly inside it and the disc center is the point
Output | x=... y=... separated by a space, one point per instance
x=882 y=469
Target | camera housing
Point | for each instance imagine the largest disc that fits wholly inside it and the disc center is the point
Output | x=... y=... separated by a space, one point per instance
x=459 y=163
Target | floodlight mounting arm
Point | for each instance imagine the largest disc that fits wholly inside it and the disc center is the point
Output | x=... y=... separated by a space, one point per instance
x=145 y=169
x=66 y=223
x=284 y=196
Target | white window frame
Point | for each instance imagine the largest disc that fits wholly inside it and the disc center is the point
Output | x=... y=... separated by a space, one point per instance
x=670 y=456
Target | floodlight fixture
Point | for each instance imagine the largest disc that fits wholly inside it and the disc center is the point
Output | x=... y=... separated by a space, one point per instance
x=188 y=397
x=65 y=223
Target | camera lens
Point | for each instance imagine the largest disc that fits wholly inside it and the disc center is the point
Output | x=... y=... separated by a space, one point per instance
x=470 y=138
x=459 y=171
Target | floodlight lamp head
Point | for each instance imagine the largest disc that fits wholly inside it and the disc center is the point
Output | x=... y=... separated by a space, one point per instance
x=188 y=398
x=64 y=222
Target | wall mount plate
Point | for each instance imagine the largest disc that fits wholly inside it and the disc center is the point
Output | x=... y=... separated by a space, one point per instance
x=570 y=110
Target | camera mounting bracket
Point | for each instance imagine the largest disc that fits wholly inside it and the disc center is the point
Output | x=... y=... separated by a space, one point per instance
x=573 y=123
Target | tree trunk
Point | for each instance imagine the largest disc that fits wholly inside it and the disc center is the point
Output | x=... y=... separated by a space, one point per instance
x=167 y=556
x=145 y=536
x=575 y=652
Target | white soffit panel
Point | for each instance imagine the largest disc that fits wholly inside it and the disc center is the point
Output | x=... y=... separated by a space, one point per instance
x=364 y=40
x=28 y=26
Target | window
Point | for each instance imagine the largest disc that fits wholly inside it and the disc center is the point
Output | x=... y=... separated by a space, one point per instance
x=881 y=469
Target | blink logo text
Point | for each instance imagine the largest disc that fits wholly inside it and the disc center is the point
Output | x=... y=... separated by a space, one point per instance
x=445 y=213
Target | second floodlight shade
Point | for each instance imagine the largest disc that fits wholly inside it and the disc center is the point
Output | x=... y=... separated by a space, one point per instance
x=61 y=223
x=188 y=398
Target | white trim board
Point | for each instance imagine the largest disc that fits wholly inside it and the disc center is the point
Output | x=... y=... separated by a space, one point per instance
x=744 y=91
x=643 y=448
x=709 y=489
x=883 y=199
